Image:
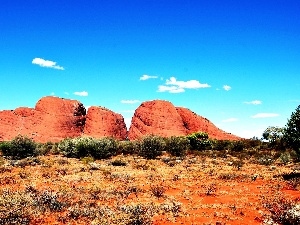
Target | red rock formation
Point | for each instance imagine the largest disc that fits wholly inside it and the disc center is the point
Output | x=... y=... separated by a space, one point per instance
x=156 y=117
x=52 y=120
x=194 y=123
x=102 y=122
x=60 y=118
x=163 y=118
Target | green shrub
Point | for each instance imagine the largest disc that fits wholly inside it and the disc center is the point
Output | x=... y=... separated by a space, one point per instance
x=292 y=132
x=20 y=147
x=104 y=148
x=199 y=141
x=221 y=144
x=45 y=148
x=128 y=147
x=87 y=146
x=68 y=148
x=151 y=146
x=177 y=146
x=253 y=143
x=237 y=146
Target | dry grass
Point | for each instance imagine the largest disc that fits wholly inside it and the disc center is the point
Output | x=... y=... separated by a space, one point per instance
x=132 y=190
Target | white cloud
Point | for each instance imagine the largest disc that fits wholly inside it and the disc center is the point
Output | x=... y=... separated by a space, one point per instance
x=66 y=93
x=230 y=120
x=52 y=93
x=255 y=102
x=81 y=93
x=264 y=115
x=226 y=87
x=176 y=86
x=171 y=89
x=130 y=101
x=147 y=77
x=190 y=84
x=47 y=63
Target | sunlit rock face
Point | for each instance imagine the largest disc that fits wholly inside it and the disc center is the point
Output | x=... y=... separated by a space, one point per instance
x=162 y=118
x=102 y=122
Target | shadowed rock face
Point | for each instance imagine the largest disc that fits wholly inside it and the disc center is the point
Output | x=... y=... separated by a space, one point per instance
x=163 y=118
x=102 y=122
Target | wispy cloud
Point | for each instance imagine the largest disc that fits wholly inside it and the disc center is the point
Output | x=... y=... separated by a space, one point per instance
x=147 y=77
x=173 y=85
x=47 y=63
x=226 y=87
x=170 y=89
x=81 y=93
x=230 y=120
x=130 y=101
x=264 y=115
x=255 y=102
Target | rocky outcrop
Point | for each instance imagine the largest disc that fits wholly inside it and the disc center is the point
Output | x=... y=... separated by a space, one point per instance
x=163 y=118
x=156 y=117
x=52 y=119
x=194 y=123
x=102 y=122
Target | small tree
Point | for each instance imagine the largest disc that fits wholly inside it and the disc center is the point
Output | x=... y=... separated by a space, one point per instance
x=292 y=131
x=274 y=135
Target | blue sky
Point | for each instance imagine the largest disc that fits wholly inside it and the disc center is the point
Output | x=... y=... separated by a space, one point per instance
x=236 y=63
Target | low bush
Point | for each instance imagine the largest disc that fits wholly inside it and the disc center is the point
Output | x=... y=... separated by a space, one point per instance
x=87 y=146
x=20 y=147
x=151 y=146
x=105 y=148
x=199 y=141
x=128 y=147
x=177 y=146
x=221 y=144
x=237 y=146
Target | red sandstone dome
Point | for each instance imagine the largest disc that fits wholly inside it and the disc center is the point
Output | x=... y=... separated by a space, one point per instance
x=102 y=122
x=163 y=118
x=54 y=119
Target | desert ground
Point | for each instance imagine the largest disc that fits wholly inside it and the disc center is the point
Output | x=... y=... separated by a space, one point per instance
x=210 y=187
